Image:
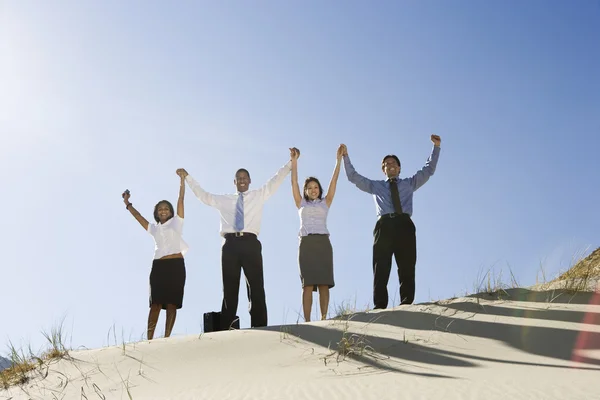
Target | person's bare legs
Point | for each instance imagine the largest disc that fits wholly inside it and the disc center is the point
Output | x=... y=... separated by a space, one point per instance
x=307 y=301
x=153 y=319
x=171 y=315
x=324 y=300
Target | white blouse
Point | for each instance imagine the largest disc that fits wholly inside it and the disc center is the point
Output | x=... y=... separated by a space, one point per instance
x=167 y=237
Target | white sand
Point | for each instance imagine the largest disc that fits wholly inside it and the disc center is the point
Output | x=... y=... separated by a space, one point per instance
x=465 y=348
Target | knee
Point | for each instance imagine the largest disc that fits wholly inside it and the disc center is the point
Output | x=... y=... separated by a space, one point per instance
x=155 y=308
x=171 y=307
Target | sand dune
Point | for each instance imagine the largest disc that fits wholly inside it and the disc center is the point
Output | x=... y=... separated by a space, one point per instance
x=531 y=345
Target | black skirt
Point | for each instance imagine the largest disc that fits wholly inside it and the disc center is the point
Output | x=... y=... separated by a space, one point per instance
x=315 y=258
x=167 y=281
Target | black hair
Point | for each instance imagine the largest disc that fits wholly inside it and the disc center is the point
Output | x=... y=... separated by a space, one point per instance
x=309 y=180
x=242 y=170
x=156 y=210
x=390 y=156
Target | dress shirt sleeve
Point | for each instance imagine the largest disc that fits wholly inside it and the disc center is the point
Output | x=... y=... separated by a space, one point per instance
x=207 y=198
x=178 y=223
x=364 y=184
x=269 y=188
x=423 y=175
x=151 y=228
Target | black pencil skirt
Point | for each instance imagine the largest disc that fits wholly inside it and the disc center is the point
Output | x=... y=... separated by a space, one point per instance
x=167 y=281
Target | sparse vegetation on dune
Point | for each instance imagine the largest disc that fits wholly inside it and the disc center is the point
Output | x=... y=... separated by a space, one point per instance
x=25 y=363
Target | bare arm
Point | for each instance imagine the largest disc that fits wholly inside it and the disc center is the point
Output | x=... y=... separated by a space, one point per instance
x=334 y=178
x=295 y=187
x=180 y=209
x=133 y=211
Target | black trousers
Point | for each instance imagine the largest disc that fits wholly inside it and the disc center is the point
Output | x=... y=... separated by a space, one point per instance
x=394 y=236
x=237 y=253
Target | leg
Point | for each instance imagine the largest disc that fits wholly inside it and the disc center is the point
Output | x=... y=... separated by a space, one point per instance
x=171 y=315
x=324 y=300
x=153 y=319
x=253 y=270
x=405 y=253
x=231 y=270
x=382 y=262
x=307 y=301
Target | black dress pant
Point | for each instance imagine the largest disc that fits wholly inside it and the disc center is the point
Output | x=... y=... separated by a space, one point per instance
x=237 y=253
x=394 y=236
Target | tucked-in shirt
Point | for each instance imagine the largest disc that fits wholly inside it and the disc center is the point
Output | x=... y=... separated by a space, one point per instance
x=168 y=237
x=406 y=186
x=313 y=217
x=253 y=202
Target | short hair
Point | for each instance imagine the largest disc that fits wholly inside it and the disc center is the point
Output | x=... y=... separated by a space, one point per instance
x=390 y=156
x=242 y=170
x=306 y=182
x=156 y=210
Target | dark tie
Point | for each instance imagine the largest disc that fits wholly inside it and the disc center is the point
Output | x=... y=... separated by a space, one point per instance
x=395 y=196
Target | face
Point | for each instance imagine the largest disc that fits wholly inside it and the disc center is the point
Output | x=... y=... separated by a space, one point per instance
x=164 y=212
x=242 y=181
x=312 y=190
x=391 y=169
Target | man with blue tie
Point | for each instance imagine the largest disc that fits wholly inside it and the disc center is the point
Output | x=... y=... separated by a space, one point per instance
x=394 y=233
x=241 y=214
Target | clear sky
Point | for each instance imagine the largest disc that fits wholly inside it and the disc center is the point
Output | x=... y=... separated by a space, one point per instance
x=97 y=97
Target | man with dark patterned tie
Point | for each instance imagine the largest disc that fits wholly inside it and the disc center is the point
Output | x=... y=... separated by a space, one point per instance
x=394 y=233
x=241 y=214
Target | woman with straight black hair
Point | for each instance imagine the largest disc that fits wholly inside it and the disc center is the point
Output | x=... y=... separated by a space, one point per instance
x=167 y=277
x=315 y=254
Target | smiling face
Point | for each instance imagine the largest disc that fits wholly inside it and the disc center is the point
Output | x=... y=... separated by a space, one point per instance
x=391 y=166
x=242 y=180
x=163 y=212
x=312 y=189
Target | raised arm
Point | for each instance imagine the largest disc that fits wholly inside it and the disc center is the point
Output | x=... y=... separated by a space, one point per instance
x=423 y=175
x=180 y=212
x=364 y=184
x=207 y=198
x=269 y=188
x=334 y=178
x=294 y=154
x=133 y=211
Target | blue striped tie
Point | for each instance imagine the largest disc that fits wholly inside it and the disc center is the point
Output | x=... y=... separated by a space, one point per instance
x=239 y=213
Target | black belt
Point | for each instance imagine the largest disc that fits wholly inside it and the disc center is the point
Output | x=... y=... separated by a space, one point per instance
x=394 y=215
x=239 y=234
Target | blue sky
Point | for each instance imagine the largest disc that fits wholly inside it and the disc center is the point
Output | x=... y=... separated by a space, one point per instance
x=97 y=97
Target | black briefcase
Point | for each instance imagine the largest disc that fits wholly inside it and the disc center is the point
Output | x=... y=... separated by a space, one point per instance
x=212 y=322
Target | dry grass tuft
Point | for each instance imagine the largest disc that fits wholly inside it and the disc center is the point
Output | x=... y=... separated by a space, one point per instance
x=22 y=365
x=493 y=282
x=583 y=275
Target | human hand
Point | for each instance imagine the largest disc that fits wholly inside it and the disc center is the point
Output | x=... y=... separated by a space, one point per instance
x=294 y=153
x=436 y=140
x=344 y=149
x=340 y=151
x=182 y=173
x=126 y=196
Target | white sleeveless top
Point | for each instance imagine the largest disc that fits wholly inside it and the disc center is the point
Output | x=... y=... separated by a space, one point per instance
x=313 y=217
x=167 y=237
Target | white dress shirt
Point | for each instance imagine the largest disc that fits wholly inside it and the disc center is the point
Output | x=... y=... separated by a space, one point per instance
x=254 y=201
x=167 y=237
